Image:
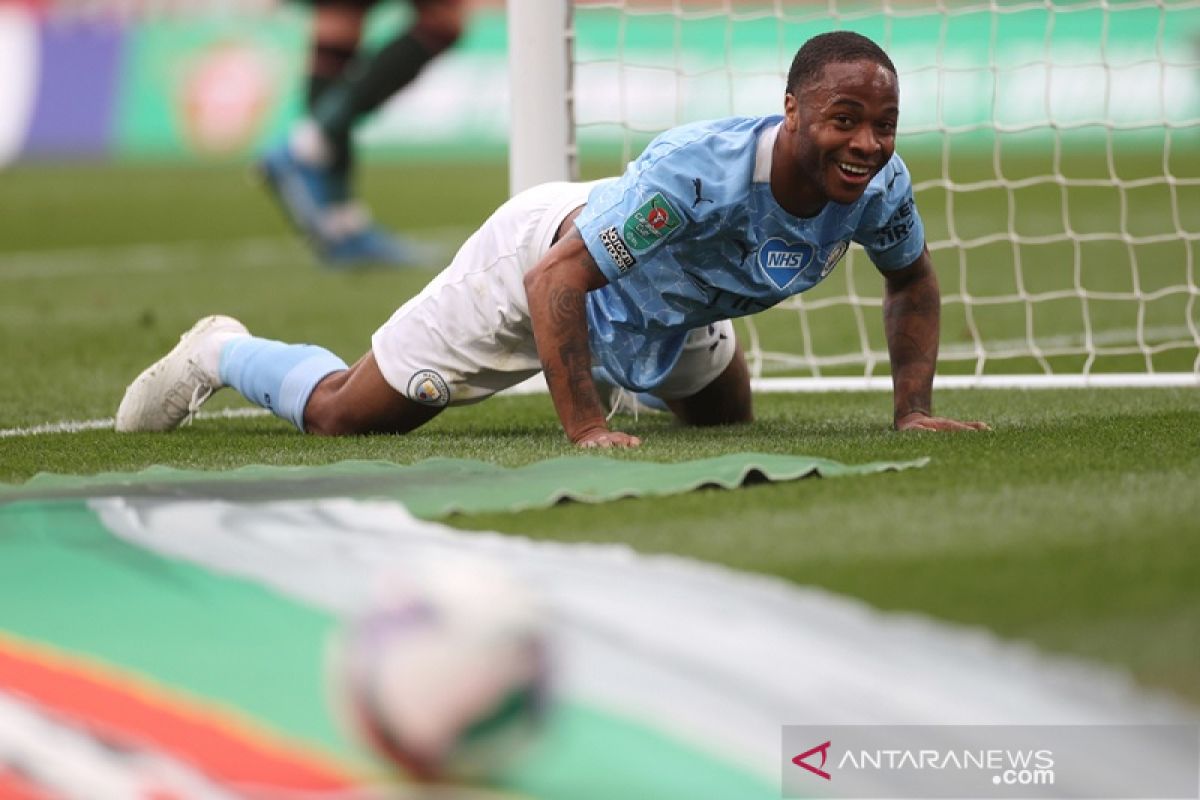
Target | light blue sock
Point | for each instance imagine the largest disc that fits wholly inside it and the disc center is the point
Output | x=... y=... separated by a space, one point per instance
x=276 y=375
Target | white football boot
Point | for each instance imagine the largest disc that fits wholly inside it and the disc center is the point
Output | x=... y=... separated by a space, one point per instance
x=171 y=390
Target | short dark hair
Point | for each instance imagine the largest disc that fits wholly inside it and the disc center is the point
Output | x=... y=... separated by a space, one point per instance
x=836 y=47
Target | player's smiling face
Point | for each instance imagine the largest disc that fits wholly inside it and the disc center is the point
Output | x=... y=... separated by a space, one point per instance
x=837 y=135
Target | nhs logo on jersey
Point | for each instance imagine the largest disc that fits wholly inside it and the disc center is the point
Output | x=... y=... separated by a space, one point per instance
x=783 y=261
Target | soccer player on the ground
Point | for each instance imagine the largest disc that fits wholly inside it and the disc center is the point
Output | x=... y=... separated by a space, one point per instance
x=637 y=276
x=311 y=173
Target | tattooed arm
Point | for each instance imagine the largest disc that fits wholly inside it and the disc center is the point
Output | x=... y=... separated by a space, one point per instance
x=912 y=308
x=556 y=288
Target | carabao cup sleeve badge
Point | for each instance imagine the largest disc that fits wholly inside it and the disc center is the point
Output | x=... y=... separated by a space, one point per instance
x=428 y=388
x=651 y=223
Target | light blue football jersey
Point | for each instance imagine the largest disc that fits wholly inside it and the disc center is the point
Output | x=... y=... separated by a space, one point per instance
x=691 y=234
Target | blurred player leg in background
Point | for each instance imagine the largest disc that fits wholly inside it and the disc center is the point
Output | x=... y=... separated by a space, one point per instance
x=311 y=174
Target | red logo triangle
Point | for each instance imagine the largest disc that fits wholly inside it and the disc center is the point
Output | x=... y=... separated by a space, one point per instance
x=823 y=749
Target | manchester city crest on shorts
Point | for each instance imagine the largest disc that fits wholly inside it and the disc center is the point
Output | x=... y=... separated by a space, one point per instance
x=427 y=388
x=833 y=257
x=783 y=261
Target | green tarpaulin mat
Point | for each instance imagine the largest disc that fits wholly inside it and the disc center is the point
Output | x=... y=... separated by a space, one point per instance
x=440 y=486
x=104 y=637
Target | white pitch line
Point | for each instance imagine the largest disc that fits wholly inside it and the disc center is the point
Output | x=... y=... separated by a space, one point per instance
x=537 y=385
x=76 y=426
x=163 y=256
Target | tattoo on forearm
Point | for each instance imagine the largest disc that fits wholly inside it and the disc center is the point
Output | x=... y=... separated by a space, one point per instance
x=573 y=365
x=566 y=304
x=577 y=367
x=912 y=322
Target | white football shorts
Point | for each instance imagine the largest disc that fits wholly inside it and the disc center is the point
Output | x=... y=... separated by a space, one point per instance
x=468 y=335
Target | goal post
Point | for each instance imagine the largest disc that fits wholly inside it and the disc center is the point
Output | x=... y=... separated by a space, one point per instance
x=1054 y=146
x=542 y=128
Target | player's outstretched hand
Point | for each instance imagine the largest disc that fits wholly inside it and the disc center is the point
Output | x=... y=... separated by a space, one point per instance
x=916 y=421
x=607 y=438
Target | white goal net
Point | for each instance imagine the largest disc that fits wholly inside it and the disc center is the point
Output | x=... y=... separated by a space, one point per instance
x=1055 y=149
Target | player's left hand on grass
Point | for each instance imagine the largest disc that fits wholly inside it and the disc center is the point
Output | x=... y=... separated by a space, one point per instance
x=920 y=421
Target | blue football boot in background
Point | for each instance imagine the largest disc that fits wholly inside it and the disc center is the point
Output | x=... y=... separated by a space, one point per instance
x=315 y=200
x=303 y=191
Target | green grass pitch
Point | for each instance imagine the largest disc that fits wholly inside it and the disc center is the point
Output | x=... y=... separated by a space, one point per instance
x=1073 y=525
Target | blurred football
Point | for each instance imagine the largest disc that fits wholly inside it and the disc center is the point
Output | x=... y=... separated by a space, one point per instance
x=446 y=674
